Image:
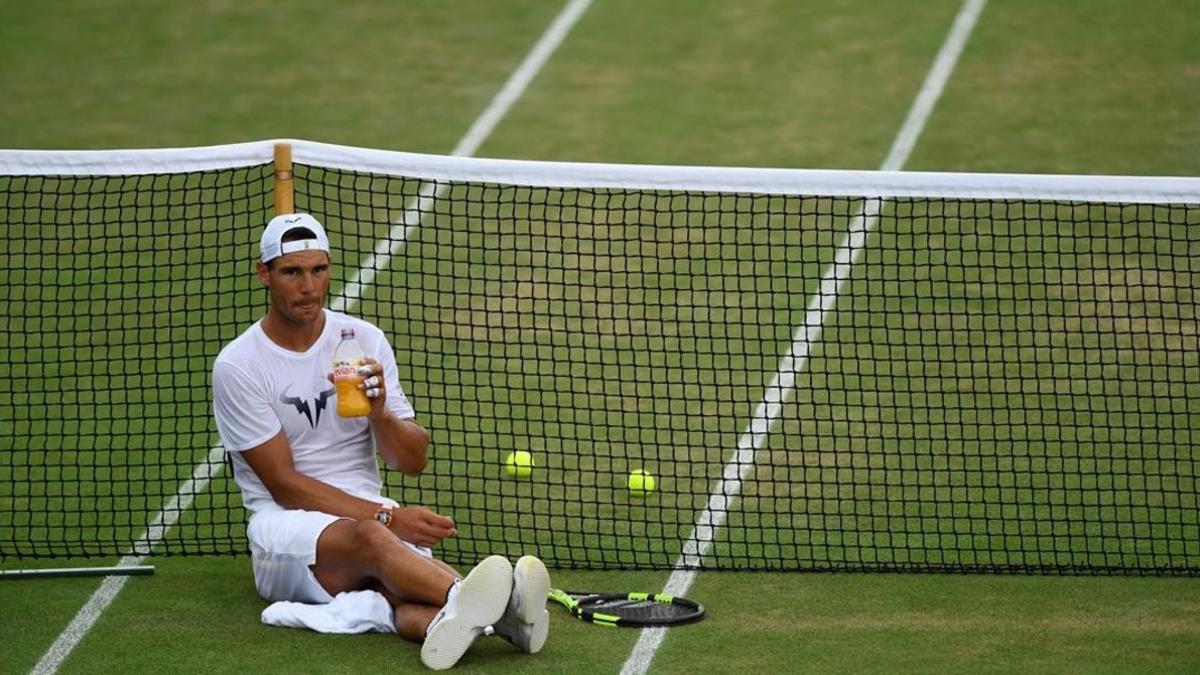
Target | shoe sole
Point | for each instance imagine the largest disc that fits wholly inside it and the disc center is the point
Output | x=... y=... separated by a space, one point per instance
x=531 y=602
x=480 y=602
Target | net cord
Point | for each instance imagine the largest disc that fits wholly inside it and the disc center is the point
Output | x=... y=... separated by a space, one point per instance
x=833 y=183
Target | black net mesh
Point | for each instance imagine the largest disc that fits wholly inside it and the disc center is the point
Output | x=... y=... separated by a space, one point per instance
x=117 y=294
x=1003 y=385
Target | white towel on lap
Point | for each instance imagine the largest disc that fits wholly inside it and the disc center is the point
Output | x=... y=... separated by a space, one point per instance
x=350 y=612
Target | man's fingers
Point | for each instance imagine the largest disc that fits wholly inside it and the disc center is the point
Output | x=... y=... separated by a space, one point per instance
x=426 y=527
x=440 y=526
x=371 y=367
x=444 y=522
x=440 y=529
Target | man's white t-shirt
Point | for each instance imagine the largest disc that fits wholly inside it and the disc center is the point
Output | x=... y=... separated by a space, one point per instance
x=260 y=388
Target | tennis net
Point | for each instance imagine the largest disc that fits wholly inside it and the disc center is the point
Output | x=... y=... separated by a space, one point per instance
x=823 y=370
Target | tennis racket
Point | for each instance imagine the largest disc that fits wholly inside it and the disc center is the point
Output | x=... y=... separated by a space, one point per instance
x=628 y=609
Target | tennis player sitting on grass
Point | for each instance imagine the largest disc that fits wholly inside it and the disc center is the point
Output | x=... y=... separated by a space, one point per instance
x=319 y=524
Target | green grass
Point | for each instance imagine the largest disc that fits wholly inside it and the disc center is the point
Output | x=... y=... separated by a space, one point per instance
x=144 y=75
x=529 y=337
x=939 y=623
x=193 y=605
x=760 y=622
x=762 y=84
x=1100 y=87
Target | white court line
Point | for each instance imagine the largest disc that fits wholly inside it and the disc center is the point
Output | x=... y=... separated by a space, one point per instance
x=782 y=386
x=517 y=83
x=213 y=464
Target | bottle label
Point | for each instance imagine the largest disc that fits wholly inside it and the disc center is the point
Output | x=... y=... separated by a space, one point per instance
x=345 y=370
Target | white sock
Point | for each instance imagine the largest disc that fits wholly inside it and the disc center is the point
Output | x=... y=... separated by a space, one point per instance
x=450 y=595
x=452 y=592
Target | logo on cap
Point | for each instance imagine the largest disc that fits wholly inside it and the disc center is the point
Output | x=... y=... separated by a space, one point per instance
x=272 y=246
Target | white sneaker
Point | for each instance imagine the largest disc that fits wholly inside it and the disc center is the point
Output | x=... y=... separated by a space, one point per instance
x=526 y=622
x=478 y=603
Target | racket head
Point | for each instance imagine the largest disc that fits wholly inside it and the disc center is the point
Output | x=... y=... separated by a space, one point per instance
x=637 y=610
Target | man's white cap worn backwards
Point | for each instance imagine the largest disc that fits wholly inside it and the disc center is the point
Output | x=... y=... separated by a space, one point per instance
x=271 y=246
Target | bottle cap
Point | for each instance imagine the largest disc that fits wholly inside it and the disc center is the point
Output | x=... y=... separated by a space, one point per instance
x=347 y=333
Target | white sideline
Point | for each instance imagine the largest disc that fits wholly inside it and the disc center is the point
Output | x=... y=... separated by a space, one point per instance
x=112 y=585
x=479 y=131
x=783 y=384
x=204 y=472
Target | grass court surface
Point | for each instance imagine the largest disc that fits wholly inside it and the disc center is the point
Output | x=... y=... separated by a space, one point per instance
x=1078 y=88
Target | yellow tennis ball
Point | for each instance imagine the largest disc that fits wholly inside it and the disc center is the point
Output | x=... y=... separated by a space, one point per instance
x=641 y=482
x=519 y=464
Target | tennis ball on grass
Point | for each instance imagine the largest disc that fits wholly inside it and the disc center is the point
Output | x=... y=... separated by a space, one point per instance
x=641 y=482
x=518 y=464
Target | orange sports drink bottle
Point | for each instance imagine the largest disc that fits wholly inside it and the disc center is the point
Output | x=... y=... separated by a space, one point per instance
x=351 y=401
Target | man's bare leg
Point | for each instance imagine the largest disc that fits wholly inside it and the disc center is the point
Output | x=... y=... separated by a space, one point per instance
x=357 y=555
x=353 y=555
x=410 y=618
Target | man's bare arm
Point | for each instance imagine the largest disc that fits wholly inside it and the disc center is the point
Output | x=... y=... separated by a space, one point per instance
x=401 y=443
x=272 y=462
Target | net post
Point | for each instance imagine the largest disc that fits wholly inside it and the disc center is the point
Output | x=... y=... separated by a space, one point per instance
x=284 y=192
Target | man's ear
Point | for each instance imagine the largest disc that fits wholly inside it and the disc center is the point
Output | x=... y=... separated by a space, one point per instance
x=264 y=274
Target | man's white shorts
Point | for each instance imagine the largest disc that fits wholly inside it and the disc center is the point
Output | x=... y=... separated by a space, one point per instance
x=283 y=548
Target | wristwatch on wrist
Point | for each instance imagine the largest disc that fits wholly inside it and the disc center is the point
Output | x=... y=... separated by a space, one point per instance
x=384 y=515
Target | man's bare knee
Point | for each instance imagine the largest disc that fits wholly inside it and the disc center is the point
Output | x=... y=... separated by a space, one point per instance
x=354 y=554
x=357 y=545
x=341 y=564
x=371 y=542
x=375 y=543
